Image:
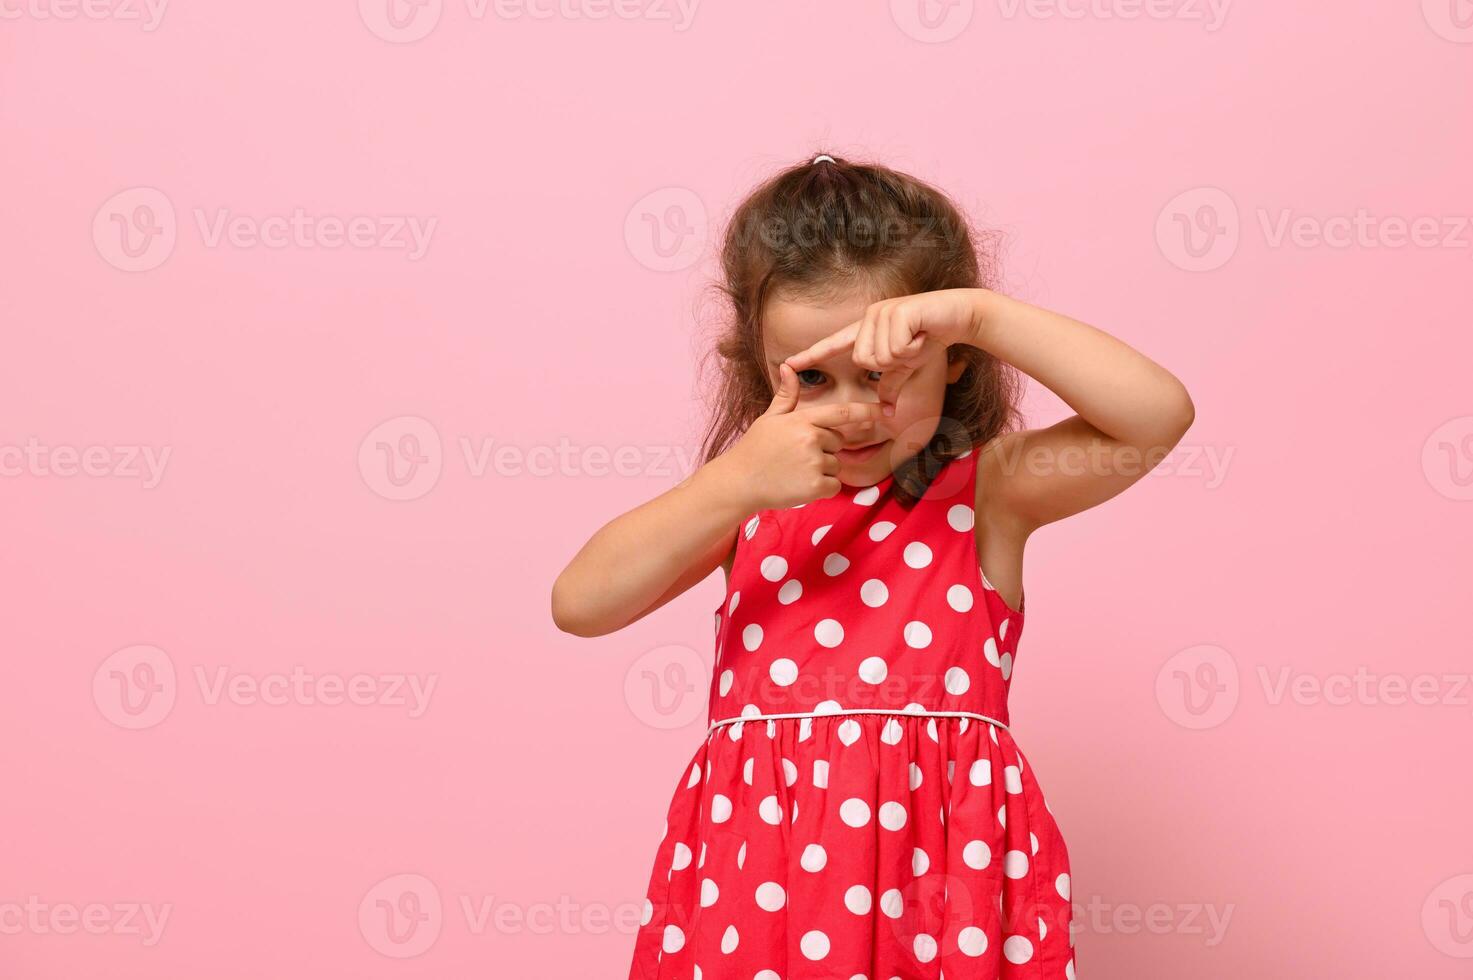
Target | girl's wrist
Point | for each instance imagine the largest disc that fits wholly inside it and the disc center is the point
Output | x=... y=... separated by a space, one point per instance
x=985 y=307
x=727 y=490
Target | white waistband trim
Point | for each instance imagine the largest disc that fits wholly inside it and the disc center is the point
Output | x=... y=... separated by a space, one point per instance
x=857 y=711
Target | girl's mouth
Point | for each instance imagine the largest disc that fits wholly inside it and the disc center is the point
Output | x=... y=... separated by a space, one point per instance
x=860 y=454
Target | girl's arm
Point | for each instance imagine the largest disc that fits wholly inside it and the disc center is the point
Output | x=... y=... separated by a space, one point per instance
x=1131 y=412
x=641 y=560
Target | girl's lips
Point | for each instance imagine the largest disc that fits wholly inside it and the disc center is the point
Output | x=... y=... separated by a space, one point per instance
x=859 y=455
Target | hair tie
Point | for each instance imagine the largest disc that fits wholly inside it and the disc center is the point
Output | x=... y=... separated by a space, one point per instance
x=822 y=157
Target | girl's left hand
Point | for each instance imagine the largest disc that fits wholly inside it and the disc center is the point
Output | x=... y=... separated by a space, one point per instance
x=897 y=335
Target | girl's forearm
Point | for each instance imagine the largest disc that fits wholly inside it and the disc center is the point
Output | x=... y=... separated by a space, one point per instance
x=1114 y=387
x=636 y=558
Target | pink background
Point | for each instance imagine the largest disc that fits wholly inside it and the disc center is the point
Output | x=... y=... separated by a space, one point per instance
x=1316 y=520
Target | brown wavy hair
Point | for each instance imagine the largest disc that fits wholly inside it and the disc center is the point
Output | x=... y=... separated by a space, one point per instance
x=819 y=228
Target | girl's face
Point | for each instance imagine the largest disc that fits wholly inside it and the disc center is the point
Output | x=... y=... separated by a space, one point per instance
x=874 y=448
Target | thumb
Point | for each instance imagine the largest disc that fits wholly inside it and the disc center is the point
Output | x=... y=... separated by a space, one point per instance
x=785 y=399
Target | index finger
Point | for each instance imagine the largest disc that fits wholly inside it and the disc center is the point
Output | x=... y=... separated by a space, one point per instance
x=844 y=413
x=833 y=344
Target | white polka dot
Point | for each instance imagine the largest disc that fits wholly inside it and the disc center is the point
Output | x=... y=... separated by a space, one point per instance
x=1061 y=884
x=1015 y=864
x=770 y=896
x=814 y=858
x=972 y=941
x=977 y=855
x=892 y=903
x=957 y=681
x=648 y=913
x=709 y=893
x=892 y=733
x=827 y=707
x=981 y=772
x=752 y=527
x=1068 y=967
x=1033 y=842
x=917 y=555
x=834 y=564
x=961 y=517
x=790 y=592
x=917 y=635
x=815 y=945
x=682 y=858
x=774 y=567
x=920 y=861
x=770 y=810
x=867 y=496
x=720 y=809
x=783 y=671
x=726 y=678
x=1006 y=665
x=790 y=771
x=925 y=947
x=1017 y=949
x=1011 y=779
x=916 y=777
x=752 y=636
x=989 y=650
x=880 y=530
x=767 y=975
x=729 y=939
x=959 y=597
x=742 y=855
x=849 y=731
x=874 y=593
x=892 y=815
x=858 y=900
x=674 y=939
x=828 y=633
x=818 y=535
x=854 y=812
x=873 y=670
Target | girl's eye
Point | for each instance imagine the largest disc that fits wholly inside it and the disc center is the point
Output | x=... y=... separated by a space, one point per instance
x=810 y=377
x=875 y=375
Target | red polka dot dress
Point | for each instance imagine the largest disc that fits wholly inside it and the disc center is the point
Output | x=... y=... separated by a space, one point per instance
x=858 y=809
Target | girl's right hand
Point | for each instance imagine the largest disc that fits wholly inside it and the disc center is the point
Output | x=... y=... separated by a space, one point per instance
x=787 y=453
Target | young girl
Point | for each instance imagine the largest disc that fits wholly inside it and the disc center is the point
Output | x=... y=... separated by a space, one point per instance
x=858 y=809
